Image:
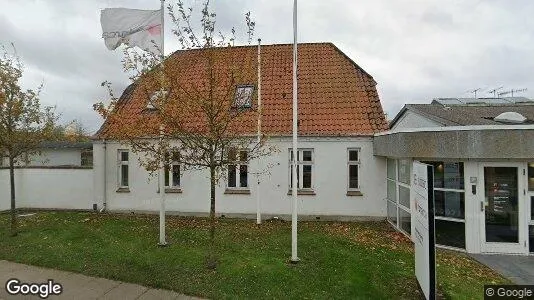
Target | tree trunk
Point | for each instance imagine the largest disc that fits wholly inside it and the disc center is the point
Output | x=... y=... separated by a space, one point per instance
x=13 y=207
x=212 y=260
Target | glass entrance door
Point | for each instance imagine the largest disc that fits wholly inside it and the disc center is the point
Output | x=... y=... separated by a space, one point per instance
x=502 y=209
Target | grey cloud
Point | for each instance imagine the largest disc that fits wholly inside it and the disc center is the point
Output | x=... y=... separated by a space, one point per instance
x=416 y=50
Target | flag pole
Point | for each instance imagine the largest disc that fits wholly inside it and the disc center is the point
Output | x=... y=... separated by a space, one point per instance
x=162 y=241
x=294 y=182
x=258 y=194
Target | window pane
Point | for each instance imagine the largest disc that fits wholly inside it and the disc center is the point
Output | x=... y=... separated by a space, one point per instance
x=124 y=175
x=391 y=168
x=307 y=177
x=392 y=212
x=243 y=176
x=124 y=156
x=176 y=175
x=166 y=176
x=404 y=170
x=448 y=175
x=450 y=233
x=532 y=208
x=232 y=154
x=291 y=176
x=405 y=220
x=243 y=96
x=449 y=204
x=531 y=177
x=392 y=191
x=353 y=155
x=231 y=176
x=298 y=176
x=86 y=158
x=353 y=176
x=306 y=156
x=243 y=156
x=404 y=196
x=531 y=238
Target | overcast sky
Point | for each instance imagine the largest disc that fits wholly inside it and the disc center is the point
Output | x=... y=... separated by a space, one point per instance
x=415 y=49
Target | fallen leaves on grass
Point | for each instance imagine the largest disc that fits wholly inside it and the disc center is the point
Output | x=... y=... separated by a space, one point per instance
x=372 y=234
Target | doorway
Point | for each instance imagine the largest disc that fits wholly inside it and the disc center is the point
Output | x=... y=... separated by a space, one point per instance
x=503 y=208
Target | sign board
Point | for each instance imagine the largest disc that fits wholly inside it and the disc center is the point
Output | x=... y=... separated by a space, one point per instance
x=422 y=199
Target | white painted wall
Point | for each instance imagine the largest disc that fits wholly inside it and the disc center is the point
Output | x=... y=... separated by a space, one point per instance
x=49 y=188
x=330 y=183
x=57 y=157
x=472 y=206
x=411 y=119
x=52 y=157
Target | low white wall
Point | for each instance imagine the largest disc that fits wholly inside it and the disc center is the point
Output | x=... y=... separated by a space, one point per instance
x=330 y=183
x=49 y=188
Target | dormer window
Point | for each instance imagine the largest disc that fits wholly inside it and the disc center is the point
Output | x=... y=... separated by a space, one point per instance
x=243 y=96
x=154 y=97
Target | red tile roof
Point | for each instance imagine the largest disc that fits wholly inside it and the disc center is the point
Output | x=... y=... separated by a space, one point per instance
x=335 y=96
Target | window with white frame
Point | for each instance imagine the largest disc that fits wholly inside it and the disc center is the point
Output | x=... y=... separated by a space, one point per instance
x=172 y=172
x=354 y=169
x=304 y=167
x=398 y=193
x=238 y=169
x=123 y=169
x=449 y=203
x=243 y=96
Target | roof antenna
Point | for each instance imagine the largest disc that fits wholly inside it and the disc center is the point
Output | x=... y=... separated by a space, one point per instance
x=512 y=91
x=475 y=92
x=494 y=91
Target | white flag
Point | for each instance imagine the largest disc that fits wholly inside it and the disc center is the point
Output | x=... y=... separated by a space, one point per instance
x=133 y=27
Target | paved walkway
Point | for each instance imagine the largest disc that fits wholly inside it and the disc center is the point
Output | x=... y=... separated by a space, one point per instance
x=76 y=286
x=519 y=269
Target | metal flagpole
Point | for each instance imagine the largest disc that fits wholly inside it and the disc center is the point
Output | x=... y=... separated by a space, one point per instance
x=162 y=241
x=294 y=257
x=258 y=194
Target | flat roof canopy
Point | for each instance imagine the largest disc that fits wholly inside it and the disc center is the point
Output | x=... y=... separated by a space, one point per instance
x=470 y=142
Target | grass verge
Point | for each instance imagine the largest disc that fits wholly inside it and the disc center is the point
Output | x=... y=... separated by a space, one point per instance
x=338 y=260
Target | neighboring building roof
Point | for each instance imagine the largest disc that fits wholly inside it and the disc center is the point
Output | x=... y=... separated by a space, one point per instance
x=483 y=101
x=66 y=145
x=336 y=96
x=465 y=114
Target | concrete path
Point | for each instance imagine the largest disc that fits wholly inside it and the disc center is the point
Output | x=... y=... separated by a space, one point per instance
x=76 y=286
x=517 y=268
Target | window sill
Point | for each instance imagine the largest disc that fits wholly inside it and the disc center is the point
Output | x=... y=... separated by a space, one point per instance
x=173 y=190
x=303 y=192
x=354 y=193
x=237 y=191
x=123 y=190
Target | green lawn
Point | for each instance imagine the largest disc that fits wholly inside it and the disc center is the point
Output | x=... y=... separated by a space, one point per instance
x=338 y=260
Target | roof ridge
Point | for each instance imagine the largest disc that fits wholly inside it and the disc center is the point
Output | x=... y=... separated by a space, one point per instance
x=252 y=45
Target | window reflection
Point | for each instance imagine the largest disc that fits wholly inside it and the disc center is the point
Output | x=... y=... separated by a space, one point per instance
x=448 y=175
x=449 y=204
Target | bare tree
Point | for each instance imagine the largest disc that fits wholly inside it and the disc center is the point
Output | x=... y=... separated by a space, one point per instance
x=202 y=120
x=24 y=123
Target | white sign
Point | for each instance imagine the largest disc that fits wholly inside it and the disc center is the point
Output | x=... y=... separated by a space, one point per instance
x=424 y=227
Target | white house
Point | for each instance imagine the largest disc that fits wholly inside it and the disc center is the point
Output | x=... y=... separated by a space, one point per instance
x=339 y=112
x=482 y=151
